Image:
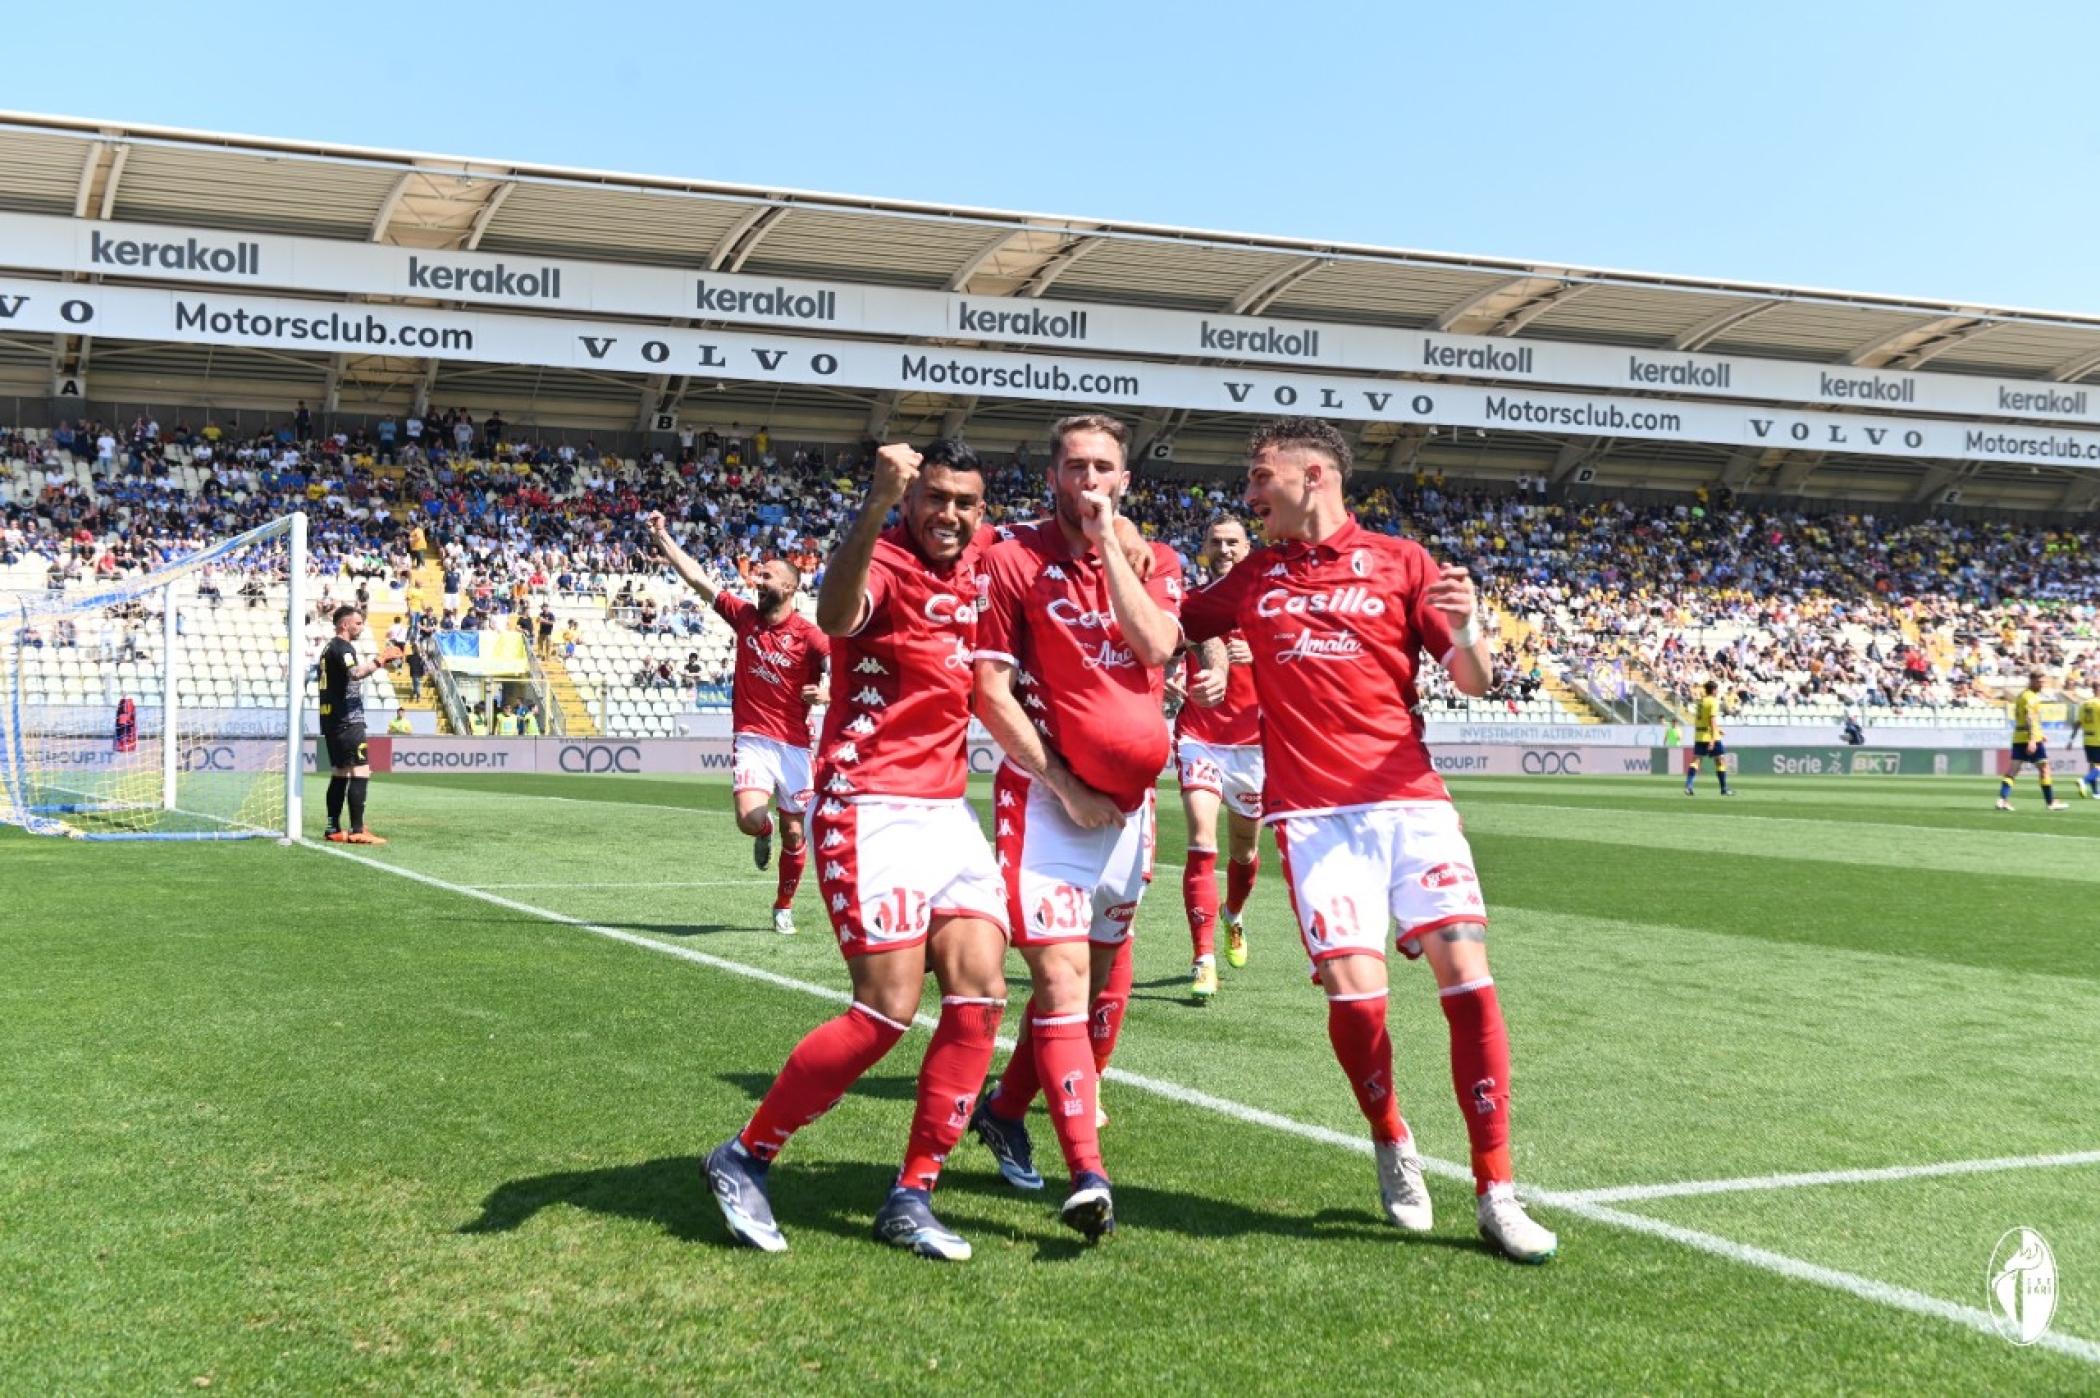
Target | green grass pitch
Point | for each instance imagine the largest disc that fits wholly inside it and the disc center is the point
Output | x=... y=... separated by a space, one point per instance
x=277 y=1120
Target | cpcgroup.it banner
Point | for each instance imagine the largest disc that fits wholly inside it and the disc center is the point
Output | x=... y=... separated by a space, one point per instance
x=276 y=322
x=265 y=262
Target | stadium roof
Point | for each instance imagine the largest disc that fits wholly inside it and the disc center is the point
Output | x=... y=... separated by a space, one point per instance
x=121 y=171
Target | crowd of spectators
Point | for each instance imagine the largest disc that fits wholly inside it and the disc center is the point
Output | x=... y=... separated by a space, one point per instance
x=1785 y=607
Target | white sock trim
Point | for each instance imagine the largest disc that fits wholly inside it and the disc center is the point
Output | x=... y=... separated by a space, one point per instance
x=1351 y=999
x=970 y=1000
x=1200 y=849
x=1467 y=987
x=1080 y=1018
x=882 y=1019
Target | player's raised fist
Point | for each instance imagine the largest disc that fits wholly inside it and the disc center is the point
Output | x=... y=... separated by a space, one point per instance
x=659 y=528
x=1097 y=514
x=896 y=467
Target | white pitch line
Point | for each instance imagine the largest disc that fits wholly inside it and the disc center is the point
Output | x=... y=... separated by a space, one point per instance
x=701 y=883
x=1631 y=1193
x=1851 y=1284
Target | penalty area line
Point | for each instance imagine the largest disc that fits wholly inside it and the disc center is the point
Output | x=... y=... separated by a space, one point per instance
x=1634 y=1193
x=1574 y=1204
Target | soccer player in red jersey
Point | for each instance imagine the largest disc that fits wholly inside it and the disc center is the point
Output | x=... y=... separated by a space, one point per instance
x=907 y=878
x=1071 y=649
x=779 y=672
x=1338 y=619
x=1220 y=766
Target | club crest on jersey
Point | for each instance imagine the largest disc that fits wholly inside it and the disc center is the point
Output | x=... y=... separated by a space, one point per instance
x=1448 y=876
x=1360 y=563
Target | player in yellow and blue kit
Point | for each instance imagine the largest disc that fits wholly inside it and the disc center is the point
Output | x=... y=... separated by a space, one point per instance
x=2085 y=723
x=1706 y=739
x=2028 y=748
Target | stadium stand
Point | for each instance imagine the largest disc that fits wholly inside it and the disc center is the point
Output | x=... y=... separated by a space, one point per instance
x=1601 y=609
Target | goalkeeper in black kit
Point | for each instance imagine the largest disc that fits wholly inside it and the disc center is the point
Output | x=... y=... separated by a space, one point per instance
x=343 y=727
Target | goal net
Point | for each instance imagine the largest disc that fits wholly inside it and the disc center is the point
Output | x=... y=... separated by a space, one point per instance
x=165 y=706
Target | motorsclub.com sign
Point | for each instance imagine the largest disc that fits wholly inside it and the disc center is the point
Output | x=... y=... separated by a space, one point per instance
x=1018 y=347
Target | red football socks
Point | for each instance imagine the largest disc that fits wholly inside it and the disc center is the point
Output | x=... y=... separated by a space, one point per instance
x=1199 y=892
x=956 y=1062
x=1067 y=1068
x=1480 y=1073
x=1239 y=882
x=1019 y=1084
x=1356 y=1028
x=1105 y=1015
x=792 y=863
x=828 y=1061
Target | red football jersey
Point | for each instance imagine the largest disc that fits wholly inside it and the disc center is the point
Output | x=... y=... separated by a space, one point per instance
x=899 y=721
x=1337 y=629
x=1236 y=722
x=1048 y=614
x=773 y=663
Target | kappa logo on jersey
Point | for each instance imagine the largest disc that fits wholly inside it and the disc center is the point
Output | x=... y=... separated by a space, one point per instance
x=1311 y=645
x=834 y=871
x=1483 y=1104
x=870 y=697
x=1448 y=876
x=1069 y=1085
x=1343 y=601
x=1006 y=799
x=870 y=666
x=838 y=905
x=1006 y=828
x=833 y=838
x=845 y=752
x=832 y=808
x=1277 y=571
x=838 y=785
x=1032 y=700
x=1053 y=571
x=861 y=727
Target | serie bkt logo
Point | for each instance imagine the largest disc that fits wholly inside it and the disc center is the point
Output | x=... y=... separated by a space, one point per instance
x=593 y=758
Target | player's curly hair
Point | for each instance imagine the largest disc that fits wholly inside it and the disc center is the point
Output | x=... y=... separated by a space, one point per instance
x=1303 y=434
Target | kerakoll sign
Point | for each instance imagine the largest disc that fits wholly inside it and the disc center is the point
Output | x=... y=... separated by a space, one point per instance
x=263 y=262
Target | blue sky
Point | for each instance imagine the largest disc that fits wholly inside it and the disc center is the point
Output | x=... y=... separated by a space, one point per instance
x=1941 y=151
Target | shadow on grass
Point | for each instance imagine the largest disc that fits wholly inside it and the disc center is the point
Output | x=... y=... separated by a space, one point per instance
x=682 y=929
x=883 y=1089
x=840 y=1199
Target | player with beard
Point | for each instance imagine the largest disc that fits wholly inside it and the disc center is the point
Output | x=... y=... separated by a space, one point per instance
x=906 y=876
x=1338 y=620
x=1071 y=649
x=780 y=658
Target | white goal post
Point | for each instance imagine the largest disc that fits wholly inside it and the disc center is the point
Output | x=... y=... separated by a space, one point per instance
x=166 y=706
